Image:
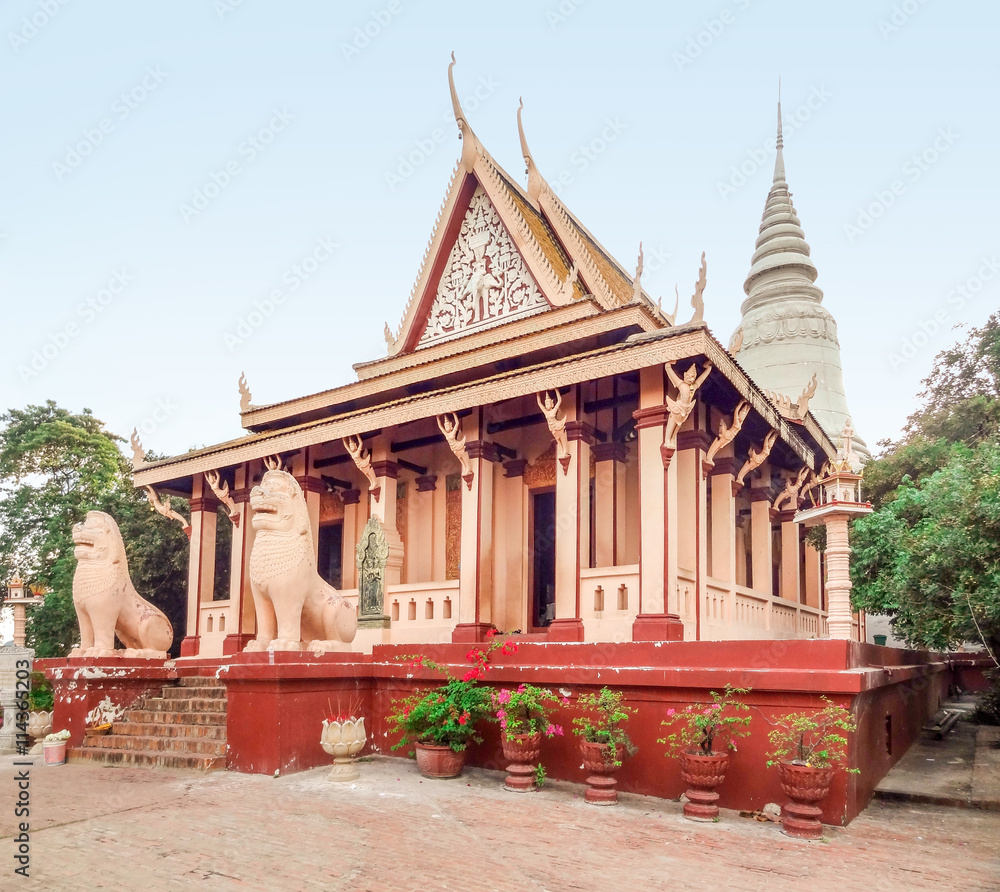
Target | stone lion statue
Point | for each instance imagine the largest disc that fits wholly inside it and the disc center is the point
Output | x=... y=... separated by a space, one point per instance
x=296 y=609
x=106 y=602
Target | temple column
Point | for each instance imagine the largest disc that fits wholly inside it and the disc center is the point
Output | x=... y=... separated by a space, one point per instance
x=420 y=530
x=726 y=534
x=572 y=521
x=839 y=619
x=813 y=579
x=201 y=560
x=475 y=589
x=353 y=524
x=384 y=508
x=692 y=553
x=312 y=487
x=741 y=551
x=509 y=562
x=761 y=558
x=609 y=486
x=789 y=557
x=657 y=516
x=241 y=611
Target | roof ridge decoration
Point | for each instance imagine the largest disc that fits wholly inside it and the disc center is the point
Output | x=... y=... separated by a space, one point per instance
x=536 y=182
x=472 y=148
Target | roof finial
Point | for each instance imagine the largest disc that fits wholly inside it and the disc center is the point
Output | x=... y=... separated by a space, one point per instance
x=535 y=181
x=470 y=144
x=637 y=280
x=779 y=160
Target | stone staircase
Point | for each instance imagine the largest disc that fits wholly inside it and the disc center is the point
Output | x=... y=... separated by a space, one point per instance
x=185 y=727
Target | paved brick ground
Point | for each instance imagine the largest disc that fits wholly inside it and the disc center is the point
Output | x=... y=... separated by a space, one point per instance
x=150 y=830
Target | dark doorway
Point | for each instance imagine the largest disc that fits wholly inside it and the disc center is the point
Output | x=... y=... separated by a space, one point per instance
x=543 y=558
x=330 y=563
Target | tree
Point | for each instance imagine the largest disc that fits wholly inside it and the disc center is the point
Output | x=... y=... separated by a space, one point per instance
x=54 y=467
x=929 y=555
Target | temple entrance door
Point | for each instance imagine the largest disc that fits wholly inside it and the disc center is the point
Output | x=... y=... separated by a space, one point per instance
x=331 y=551
x=543 y=559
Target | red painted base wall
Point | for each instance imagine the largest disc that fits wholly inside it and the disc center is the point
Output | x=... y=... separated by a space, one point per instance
x=276 y=702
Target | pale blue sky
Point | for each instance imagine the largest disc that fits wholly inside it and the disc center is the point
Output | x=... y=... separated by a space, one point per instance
x=206 y=76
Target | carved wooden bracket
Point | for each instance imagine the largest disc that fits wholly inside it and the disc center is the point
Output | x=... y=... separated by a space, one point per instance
x=363 y=462
x=451 y=427
x=679 y=409
x=791 y=491
x=756 y=459
x=165 y=509
x=222 y=494
x=549 y=402
x=727 y=433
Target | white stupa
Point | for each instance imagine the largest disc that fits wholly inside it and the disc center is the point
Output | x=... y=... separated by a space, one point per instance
x=786 y=335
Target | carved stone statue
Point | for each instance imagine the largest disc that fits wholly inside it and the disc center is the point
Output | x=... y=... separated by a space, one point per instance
x=681 y=407
x=105 y=600
x=451 y=427
x=294 y=606
x=372 y=553
x=727 y=432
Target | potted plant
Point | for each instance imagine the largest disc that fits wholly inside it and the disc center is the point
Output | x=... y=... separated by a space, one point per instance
x=343 y=737
x=807 y=747
x=524 y=717
x=40 y=702
x=604 y=742
x=54 y=747
x=441 y=722
x=701 y=736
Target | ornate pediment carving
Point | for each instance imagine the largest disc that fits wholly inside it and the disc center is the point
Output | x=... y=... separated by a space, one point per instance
x=485 y=282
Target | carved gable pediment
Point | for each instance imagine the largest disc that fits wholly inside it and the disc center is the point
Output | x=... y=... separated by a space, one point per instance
x=485 y=281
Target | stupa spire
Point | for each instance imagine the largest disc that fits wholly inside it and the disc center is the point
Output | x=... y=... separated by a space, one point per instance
x=786 y=334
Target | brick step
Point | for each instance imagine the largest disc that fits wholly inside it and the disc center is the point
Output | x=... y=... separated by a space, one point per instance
x=151 y=729
x=198 y=681
x=157 y=744
x=184 y=704
x=175 y=717
x=173 y=693
x=108 y=756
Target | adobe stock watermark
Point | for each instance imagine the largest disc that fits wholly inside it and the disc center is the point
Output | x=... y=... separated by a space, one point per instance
x=586 y=154
x=248 y=150
x=86 y=314
x=422 y=149
x=899 y=16
x=371 y=29
x=711 y=31
x=559 y=15
x=791 y=122
x=93 y=137
x=927 y=329
x=913 y=170
x=225 y=7
x=292 y=278
x=30 y=28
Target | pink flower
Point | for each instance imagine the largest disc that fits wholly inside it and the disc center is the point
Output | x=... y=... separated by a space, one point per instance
x=670 y=712
x=565 y=701
x=502 y=714
x=709 y=711
x=503 y=696
x=552 y=730
x=521 y=688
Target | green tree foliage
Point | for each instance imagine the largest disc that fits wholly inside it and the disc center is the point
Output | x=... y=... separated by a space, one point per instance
x=54 y=467
x=930 y=553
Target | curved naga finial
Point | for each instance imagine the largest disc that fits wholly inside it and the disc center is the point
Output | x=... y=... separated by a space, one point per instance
x=756 y=459
x=245 y=394
x=138 y=453
x=535 y=180
x=165 y=509
x=697 y=302
x=637 y=281
x=470 y=145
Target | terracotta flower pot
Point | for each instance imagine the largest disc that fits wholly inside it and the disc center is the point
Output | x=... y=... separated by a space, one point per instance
x=439 y=761
x=522 y=751
x=805 y=786
x=703 y=774
x=601 y=786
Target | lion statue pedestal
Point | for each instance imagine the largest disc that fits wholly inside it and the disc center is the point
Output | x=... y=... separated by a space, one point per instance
x=107 y=603
x=296 y=609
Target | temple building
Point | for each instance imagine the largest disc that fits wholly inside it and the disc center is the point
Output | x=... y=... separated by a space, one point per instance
x=543 y=449
x=787 y=340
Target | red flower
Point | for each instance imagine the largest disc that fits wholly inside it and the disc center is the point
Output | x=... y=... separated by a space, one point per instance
x=491 y=633
x=463 y=718
x=471 y=675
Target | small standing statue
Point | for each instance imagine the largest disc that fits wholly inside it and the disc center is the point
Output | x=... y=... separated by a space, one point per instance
x=363 y=460
x=450 y=427
x=681 y=407
x=549 y=405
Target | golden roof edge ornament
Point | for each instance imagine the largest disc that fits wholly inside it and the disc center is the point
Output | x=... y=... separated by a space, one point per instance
x=245 y=395
x=138 y=453
x=536 y=182
x=471 y=147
